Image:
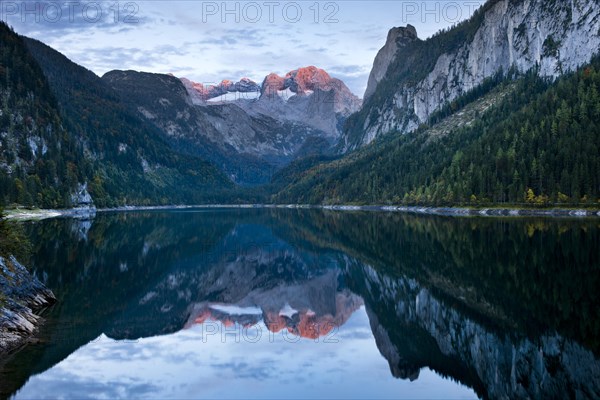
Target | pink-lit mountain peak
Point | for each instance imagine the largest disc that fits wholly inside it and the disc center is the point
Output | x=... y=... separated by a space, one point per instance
x=300 y=81
x=299 y=321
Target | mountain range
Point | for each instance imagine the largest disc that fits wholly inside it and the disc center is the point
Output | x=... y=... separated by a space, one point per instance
x=292 y=116
x=501 y=108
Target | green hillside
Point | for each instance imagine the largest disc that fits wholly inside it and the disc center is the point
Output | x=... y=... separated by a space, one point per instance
x=131 y=163
x=538 y=144
x=40 y=161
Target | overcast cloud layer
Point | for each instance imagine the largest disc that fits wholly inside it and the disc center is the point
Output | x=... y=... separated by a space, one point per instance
x=210 y=41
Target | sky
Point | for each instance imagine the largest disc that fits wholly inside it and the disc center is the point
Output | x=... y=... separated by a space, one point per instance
x=202 y=363
x=208 y=41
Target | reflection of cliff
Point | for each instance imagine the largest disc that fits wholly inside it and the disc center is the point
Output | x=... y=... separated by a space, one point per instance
x=98 y=274
x=310 y=309
x=414 y=329
x=529 y=275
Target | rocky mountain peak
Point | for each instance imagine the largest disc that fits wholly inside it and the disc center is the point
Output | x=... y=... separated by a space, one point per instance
x=299 y=81
x=397 y=38
x=201 y=93
x=272 y=84
x=402 y=35
x=307 y=80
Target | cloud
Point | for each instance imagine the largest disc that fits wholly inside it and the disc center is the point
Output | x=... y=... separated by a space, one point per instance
x=170 y=36
x=325 y=35
x=108 y=58
x=55 y=19
x=349 y=70
x=81 y=388
x=218 y=41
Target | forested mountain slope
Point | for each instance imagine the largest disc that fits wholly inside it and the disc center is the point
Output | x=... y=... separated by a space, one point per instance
x=539 y=144
x=126 y=160
x=246 y=148
x=413 y=78
x=39 y=158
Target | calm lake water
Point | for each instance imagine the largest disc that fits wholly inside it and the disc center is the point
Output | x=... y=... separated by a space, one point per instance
x=265 y=303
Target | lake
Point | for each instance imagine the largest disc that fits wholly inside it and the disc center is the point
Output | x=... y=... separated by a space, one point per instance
x=288 y=303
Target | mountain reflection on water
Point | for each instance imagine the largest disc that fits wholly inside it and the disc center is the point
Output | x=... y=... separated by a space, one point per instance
x=311 y=315
x=505 y=307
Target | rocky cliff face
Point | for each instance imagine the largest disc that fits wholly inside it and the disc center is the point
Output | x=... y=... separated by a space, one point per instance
x=407 y=319
x=307 y=96
x=81 y=198
x=407 y=84
x=21 y=296
x=397 y=39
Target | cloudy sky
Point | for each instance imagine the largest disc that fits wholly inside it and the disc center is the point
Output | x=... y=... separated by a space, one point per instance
x=208 y=41
x=202 y=363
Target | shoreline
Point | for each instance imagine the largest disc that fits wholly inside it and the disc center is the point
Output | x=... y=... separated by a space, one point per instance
x=38 y=214
x=477 y=212
x=89 y=213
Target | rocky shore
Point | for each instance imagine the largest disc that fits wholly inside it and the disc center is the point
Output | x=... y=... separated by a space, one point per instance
x=485 y=212
x=39 y=214
x=22 y=297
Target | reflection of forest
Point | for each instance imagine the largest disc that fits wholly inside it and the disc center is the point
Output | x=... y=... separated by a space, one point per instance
x=530 y=274
x=481 y=300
